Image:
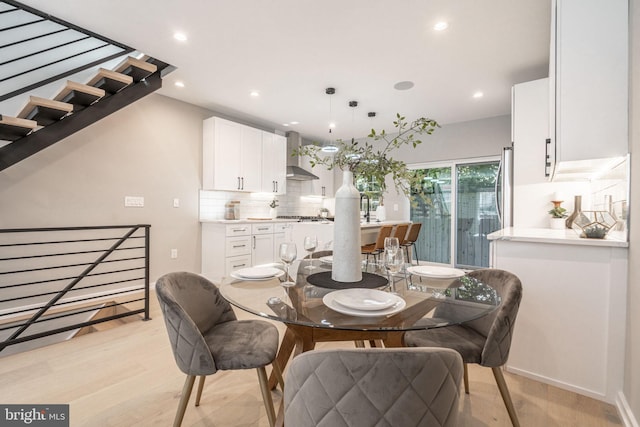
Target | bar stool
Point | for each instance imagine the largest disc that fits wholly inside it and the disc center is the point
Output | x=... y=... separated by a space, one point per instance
x=400 y=233
x=377 y=247
x=410 y=241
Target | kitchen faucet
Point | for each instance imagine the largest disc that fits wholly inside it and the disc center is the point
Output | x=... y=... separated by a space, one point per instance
x=367 y=214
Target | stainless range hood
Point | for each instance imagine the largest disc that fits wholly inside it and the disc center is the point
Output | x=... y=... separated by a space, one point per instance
x=294 y=171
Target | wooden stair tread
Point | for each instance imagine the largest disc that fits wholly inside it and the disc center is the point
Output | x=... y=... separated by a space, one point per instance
x=79 y=94
x=110 y=81
x=133 y=62
x=45 y=111
x=14 y=128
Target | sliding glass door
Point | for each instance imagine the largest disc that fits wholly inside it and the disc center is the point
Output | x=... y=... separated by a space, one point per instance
x=458 y=211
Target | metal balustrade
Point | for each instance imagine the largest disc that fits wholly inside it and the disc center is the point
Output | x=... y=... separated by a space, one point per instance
x=49 y=277
x=36 y=49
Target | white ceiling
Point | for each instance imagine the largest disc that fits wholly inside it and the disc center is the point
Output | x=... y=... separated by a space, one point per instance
x=291 y=50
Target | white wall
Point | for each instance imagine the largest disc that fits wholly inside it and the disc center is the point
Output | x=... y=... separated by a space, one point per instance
x=151 y=148
x=632 y=360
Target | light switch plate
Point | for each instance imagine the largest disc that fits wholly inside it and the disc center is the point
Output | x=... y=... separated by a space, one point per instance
x=134 y=201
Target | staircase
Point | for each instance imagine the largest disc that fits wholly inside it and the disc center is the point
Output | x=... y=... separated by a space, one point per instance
x=38 y=53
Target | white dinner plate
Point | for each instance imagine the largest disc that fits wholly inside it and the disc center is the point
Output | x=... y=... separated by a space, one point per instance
x=326 y=259
x=256 y=273
x=436 y=272
x=398 y=306
x=364 y=299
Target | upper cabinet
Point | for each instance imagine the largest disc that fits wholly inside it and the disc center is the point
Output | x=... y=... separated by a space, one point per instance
x=274 y=163
x=589 y=84
x=232 y=158
x=323 y=186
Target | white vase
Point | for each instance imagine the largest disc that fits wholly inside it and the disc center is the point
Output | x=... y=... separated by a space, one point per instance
x=273 y=212
x=381 y=213
x=347 y=261
x=557 y=223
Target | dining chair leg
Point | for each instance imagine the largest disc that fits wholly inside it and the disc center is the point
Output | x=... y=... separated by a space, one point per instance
x=506 y=396
x=200 y=387
x=266 y=395
x=184 y=400
x=278 y=374
x=466 y=378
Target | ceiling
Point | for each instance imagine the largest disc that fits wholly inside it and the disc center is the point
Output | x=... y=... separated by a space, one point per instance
x=289 y=51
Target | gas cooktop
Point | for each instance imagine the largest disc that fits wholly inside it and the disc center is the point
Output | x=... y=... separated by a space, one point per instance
x=302 y=218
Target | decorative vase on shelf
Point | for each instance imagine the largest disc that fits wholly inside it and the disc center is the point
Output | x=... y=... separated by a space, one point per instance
x=347 y=263
x=577 y=209
x=557 y=223
x=273 y=213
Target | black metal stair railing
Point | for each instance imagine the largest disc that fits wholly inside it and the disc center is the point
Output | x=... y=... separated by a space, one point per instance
x=49 y=276
x=37 y=49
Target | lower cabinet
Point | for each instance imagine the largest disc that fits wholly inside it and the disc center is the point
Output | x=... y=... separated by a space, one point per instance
x=229 y=247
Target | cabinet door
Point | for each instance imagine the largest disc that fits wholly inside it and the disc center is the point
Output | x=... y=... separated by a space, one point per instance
x=261 y=249
x=274 y=163
x=278 y=238
x=251 y=159
x=221 y=142
x=591 y=79
x=318 y=187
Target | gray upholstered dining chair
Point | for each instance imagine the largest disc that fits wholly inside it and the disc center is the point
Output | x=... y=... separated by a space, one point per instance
x=485 y=341
x=373 y=387
x=206 y=336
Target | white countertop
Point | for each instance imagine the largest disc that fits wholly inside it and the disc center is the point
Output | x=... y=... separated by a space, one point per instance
x=562 y=237
x=280 y=220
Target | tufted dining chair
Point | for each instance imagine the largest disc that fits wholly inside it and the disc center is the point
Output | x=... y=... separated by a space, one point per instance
x=206 y=336
x=485 y=341
x=373 y=387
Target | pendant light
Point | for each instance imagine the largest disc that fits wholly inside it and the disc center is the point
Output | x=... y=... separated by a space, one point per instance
x=329 y=147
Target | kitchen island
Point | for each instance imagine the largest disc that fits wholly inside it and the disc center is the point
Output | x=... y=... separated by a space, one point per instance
x=228 y=245
x=570 y=329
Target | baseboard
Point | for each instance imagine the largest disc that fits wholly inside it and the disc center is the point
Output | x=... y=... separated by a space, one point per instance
x=565 y=386
x=628 y=419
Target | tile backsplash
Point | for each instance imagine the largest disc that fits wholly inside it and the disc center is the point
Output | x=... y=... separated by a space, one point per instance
x=256 y=205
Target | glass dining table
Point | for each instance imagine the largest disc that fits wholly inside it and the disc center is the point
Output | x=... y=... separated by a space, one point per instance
x=379 y=309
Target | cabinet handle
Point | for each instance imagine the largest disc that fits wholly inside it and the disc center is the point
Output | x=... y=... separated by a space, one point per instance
x=242 y=180
x=239 y=265
x=239 y=246
x=254 y=242
x=547 y=158
x=323 y=193
x=238 y=183
x=235 y=230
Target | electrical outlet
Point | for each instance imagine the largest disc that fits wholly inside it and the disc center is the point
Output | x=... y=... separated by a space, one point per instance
x=174 y=253
x=134 y=201
x=176 y=203
x=395 y=207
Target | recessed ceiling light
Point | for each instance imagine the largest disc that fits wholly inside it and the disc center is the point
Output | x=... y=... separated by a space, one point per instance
x=440 y=26
x=254 y=93
x=332 y=125
x=405 y=85
x=179 y=84
x=181 y=37
x=478 y=95
x=293 y=123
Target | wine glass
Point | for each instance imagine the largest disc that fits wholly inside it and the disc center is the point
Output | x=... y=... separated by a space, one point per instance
x=310 y=244
x=393 y=262
x=288 y=253
x=391 y=244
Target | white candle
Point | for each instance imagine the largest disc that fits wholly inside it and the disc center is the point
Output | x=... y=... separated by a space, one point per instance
x=558 y=197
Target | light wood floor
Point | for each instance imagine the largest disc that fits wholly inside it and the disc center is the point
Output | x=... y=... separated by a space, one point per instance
x=126 y=376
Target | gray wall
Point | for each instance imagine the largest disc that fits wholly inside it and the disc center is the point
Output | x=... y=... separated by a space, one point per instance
x=151 y=148
x=632 y=359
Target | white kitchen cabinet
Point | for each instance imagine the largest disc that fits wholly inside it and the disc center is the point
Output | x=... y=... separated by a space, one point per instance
x=231 y=156
x=589 y=84
x=262 y=244
x=274 y=163
x=570 y=329
x=323 y=186
x=227 y=247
